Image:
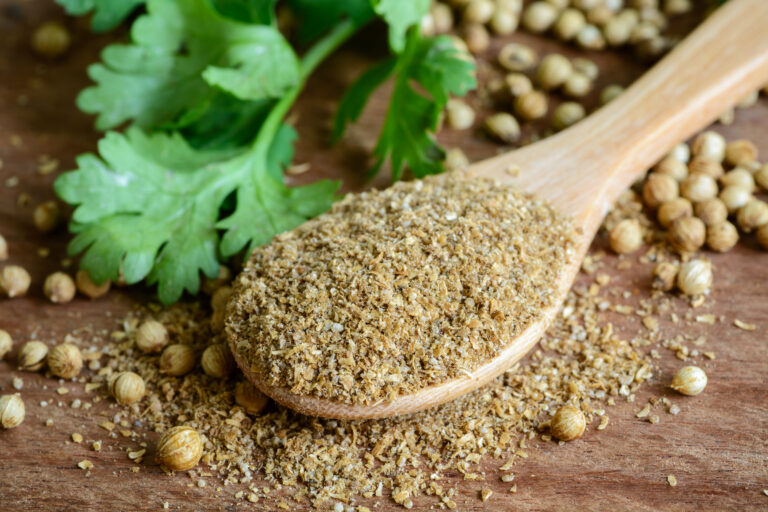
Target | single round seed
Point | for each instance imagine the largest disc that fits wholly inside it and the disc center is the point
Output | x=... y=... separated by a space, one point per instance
x=59 y=288
x=710 y=145
x=442 y=17
x=599 y=14
x=503 y=127
x=586 y=67
x=610 y=93
x=476 y=38
x=752 y=215
x=531 y=105
x=578 y=85
x=14 y=281
x=87 y=287
x=568 y=423
x=151 y=336
x=127 y=388
x=12 y=410
x=553 y=71
x=590 y=38
x=32 y=356
x=569 y=23
x=617 y=30
x=670 y=211
x=478 y=11
x=455 y=160
x=177 y=360
x=672 y=167
x=722 y=237
x=179 y=449
x=51 y=39
x=250 y=398
x=567 y=114
x=3 y=248
x=517 y=57
x=217 y=361
x=643 y=31
x=651 y=49
x=503 y=22
x=711 y=211
x=762 y=236
x=459 y=114
x=698 y=187
x=740 y=152
x=220 y=298
x=6 y=343
x=695 y=277
x=664 y=275
x=734 y=197
x=761 y=177
x=681 y=152
x=687 y=234
x=518 y=84
x=677 y=7
x=703 y=165
x=739 y=177
x=65 y=361
x=626 y=236
x=689 y=380
x=658 y=189
x=47 y=216
x=727 y=117
x=538 y=17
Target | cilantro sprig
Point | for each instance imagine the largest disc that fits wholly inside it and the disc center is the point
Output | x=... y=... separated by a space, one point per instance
x=205 y=86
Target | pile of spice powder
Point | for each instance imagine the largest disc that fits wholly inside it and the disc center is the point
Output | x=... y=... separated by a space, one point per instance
x=396 y=290
x=580 y=361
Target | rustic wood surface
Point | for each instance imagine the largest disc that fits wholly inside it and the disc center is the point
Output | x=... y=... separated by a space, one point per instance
x=716 y=447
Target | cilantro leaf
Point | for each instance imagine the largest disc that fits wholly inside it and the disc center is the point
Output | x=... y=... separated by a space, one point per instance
x=440 y=70
x=400 y=15
x=107 y=14
x=256 y=11
x=316 y=17
x=181 y=50
x=149 y=207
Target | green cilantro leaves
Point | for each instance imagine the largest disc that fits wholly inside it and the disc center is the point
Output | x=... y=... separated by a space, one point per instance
x=107 y=14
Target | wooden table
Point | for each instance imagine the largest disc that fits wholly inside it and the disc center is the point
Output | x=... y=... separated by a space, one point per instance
x=716 y=447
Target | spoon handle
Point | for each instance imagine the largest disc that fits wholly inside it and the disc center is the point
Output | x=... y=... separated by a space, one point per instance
x=583 y=169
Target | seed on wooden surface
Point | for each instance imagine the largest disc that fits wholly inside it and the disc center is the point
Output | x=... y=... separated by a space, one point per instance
x=179 y=448
x=32 y=356
x=689 y=380
x=65 y=361
x=568 y=423
x=14 y=281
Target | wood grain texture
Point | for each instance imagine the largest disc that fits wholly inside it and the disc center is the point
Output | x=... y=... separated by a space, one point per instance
x=716 y=447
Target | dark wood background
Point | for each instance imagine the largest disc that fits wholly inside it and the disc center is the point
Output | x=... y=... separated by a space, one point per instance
x=717 y=447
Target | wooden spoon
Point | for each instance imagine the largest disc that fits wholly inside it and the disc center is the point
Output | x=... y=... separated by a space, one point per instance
x=583 y=169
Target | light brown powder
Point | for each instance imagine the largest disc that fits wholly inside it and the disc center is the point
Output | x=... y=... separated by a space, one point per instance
x=396 y=290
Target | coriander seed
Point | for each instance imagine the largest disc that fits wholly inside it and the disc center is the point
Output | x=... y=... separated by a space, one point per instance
x=704 y=165
x=695 y=277
x=517 y=57
x=531 y=105
x=710 y=145
x=87 y=287
x=47 y=216
x=698 y=187
x=569 y=23
x=740 y=152
x=459 y=114
x=617 y=31
x=478 y=11
x=566 y=114
x=539 y=16
x=151 y=336
x=6 y=343
x=3 y=248
x=711 y=211
x=476 y=38
x=12 y=410
x=32 y=356
x=455 y=160
x=51 y=39
x=762 y=236
x=553 y=71
x=677 y=7
x=14 y=281
x=670 y=211
x=59 y=288
x=586 y=67
x=250 y=398
x=673 y=167
x=722 y=237
x=442 y=17
x=689 y=380
x=626 y=236
x=752 y=215
x=610 y=93
x=217 y=361
x=590 y=38
x=65 y=361
x=577 y=85
x=687 y=234
x=127 y=388
x=761 y=177
x=658 y=189
x=223 y=278
x=664 y=275
x=599 y=14
x=503 y=22
x=734 y=197
x=518 y=84
x=568 y=423
x=681 y=152
x=179 y=448
x=177 y=360
x=739 y=177
x=503 y=126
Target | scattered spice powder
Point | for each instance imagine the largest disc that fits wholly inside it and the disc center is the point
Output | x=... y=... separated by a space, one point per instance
x=396 y=290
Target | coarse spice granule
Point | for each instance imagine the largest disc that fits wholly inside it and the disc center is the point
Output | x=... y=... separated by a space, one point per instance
x=396 y=290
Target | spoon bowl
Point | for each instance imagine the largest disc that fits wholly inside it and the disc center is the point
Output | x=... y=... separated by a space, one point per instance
x=583 y=170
